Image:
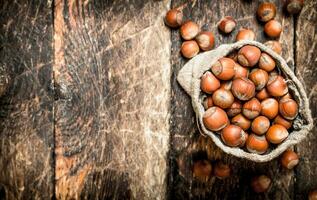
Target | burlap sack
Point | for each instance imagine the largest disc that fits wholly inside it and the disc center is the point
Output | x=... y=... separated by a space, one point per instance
x=189 y=79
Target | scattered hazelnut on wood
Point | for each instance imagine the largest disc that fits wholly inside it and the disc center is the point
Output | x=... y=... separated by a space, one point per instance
x=245 y=34
x=294 y=6
x=266 y=11
x=227 y=24
x=189 y=30
x=221 y=170
x=205 y=40
x=260 y=184
x=312 y=195
x=202 y=170
x=174 y=18
x=289 y=159
x=273 y=28
x=189 y=49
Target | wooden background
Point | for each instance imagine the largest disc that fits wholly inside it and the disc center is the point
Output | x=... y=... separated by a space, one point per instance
x=92 y=108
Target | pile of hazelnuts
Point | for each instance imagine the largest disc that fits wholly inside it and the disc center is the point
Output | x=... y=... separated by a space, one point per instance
x=239 y=102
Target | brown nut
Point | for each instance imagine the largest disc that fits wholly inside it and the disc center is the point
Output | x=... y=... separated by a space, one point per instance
x=266 y=11
x=226 y=85
x=189 y=30
x=215 y=119
x=260 y=184
x=209 y=83
x=266 y=62
x=207 y=103
x=252 y=108
x=269 y=108
x=260 y=125
x=312 y=195
x=234 y=109
x=174 y=18
x=245 y=34
x=281 y=121
x=223 y=69
x=273 y=28
x=189 y=49
x=249 y=55
x=262 y=94
x=227 y=24
x=276 y=86
x=221 y=170
x=294 y=6
x=240 y=71
x=242 y=88
x=257 y=144
x=259 y=77
x=289 y=159
x=274 y=45
x=276 y=134
x=205 y=40
x=288 y=108
x=232 y=135
x=202 y=170
x=222 y=98
x=241 y=121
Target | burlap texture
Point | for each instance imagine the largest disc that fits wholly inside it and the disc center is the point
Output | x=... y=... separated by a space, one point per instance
x=189 y=79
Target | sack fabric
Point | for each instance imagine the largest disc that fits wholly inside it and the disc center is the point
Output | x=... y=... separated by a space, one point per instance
x=189 y=78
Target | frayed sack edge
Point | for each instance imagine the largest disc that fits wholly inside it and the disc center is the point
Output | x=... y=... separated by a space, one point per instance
x=189 y=79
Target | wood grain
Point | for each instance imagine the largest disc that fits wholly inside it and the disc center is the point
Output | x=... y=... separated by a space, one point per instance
x=306 y=52
x=26 y=117
x=188 y=145
x=112 y=78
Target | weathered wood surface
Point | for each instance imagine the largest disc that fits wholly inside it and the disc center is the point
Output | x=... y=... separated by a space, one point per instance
x=93 y=109
x=112 y=78
x=306 y=63
x=26 y=117
x=188 y=145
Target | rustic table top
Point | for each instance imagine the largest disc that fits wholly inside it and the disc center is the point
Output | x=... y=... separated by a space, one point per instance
x=93 y=109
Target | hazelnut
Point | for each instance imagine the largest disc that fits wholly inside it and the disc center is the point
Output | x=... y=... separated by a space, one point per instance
x=259 y=77
x=269 y=108
x=227 y=24
x=276 y=134
x=288 y=108
x=205 y=40
x=244 y=139
x=245 y=34
x=274 y=45
x=252 y=108
x=276 y=86
x=262 y=94
x=240 y=71
x=223 y=69
x=281 y=121
x=207 y=103
x=222 y=98
x=266 y=11
x=215 y=119
x=312 y=195
x=226 y=85
x=189 y=30
x=289 y=159
x=234 y=109
x=222 y=170
x=202 y=170
x=294 y=6
x=249 y=55
x=232 y=135
x=260 y=184
x=273 y=28
x=260 y=125
x=242 y=88
x=209 y=83
x=241 y=121
x=189 y=49
x=266 y=62
x=257 y=144
x=174 y=18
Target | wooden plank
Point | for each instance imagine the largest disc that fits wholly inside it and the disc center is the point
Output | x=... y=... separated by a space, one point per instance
x=26 y=117
x=112 y=78
x=306 y=52
x=187 y=145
